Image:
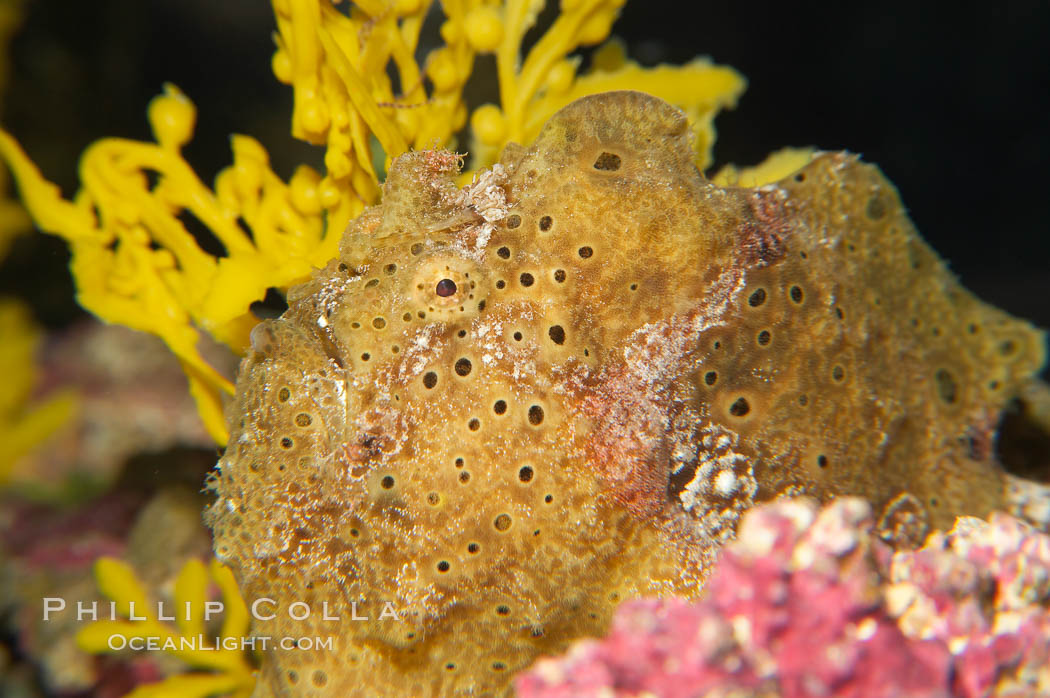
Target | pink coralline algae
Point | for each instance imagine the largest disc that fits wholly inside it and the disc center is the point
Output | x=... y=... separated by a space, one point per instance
x=810 y=602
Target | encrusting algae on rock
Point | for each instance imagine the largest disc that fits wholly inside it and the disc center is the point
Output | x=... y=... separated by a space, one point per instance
x=965 y=616
x=505 y=408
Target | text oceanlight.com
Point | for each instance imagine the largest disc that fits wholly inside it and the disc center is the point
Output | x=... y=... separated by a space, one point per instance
x=200 y=643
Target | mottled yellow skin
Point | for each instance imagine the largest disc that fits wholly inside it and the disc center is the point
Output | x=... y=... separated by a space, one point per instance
x=631 y=357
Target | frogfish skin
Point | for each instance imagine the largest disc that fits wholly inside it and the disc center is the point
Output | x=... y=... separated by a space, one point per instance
x=505 y=408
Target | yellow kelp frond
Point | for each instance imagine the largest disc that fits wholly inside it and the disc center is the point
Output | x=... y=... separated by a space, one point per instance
x=228 y=669
x=135 y=262
x=547 y=81
x=775 y=167
x=338 y=66
x=24 y=424
x=360 y=92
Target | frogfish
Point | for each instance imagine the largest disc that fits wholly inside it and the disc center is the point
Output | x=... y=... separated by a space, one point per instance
x=505 y=408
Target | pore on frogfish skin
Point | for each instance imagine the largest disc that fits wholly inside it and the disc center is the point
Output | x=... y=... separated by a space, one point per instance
x=505 y=408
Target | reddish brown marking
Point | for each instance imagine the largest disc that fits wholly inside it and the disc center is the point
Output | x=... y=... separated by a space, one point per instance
x=354 y=455
x=630 y=407
x=762 y=240
x=981 y=435
x=395 y=105
x=442 y=161
x=627 y=449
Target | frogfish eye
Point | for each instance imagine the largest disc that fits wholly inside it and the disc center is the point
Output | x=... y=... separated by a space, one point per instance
x=446 y=287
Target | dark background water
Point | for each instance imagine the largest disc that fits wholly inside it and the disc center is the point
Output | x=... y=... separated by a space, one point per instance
x=950 y=102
